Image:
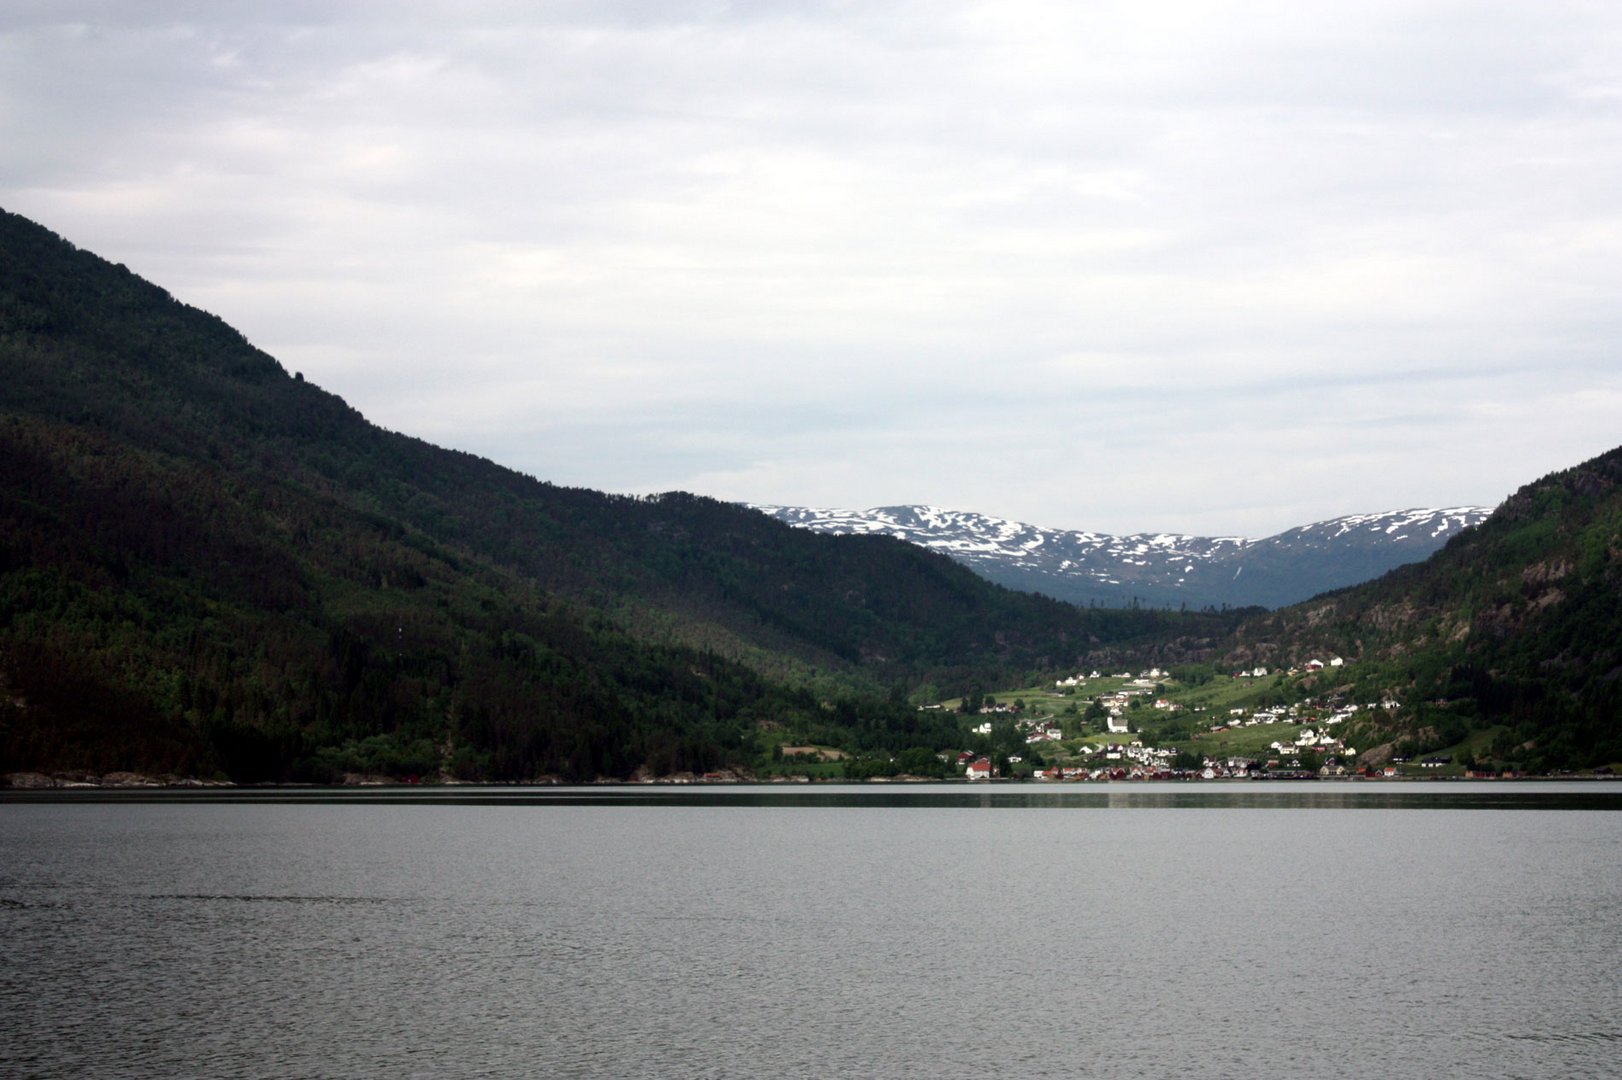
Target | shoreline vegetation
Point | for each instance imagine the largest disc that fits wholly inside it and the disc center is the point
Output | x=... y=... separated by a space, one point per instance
x=123 y=781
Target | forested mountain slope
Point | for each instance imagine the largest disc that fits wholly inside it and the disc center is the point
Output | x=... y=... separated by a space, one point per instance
x=208 y=565
x=1509 y=638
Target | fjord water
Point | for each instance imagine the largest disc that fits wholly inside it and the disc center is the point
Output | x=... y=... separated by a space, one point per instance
x=1351 y=930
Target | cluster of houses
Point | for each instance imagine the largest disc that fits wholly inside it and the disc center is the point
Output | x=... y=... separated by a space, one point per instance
x=1120 y=701
x=1120 y=761
x=1132 y=761
x=1147 y=763
x=1138 y=762
x=1313 y=741
x=1081 y=680
x=1310 y=739
x=1290 y=714
x=1309 y=666
x=1124 y=760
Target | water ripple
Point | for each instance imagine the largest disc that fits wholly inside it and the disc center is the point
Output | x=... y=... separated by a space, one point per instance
x=272 y=898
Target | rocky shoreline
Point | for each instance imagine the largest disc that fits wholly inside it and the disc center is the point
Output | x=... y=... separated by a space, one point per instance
x=41 y=781
x=38 y=781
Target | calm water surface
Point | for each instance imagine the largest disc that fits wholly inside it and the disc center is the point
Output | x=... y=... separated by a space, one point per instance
x=1245 y=931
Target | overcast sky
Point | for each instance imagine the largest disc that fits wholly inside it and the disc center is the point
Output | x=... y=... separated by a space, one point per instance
x=1221 y=268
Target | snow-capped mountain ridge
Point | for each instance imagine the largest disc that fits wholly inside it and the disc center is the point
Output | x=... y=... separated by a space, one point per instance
x=1158 y=568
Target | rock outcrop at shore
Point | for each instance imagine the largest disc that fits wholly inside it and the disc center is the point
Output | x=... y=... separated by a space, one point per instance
x=37 y=781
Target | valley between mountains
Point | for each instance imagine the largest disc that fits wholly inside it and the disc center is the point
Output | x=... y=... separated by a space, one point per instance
x=213 y=570
x=1158 y=569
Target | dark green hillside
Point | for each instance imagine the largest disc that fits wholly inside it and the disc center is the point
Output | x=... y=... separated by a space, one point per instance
x=208 y=565
x=156 y=616
x=1508 y=641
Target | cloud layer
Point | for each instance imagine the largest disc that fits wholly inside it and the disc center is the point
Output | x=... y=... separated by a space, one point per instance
x=1219 y=268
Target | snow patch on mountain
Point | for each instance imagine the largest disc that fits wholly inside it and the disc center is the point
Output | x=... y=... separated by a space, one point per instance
x=1157 y=568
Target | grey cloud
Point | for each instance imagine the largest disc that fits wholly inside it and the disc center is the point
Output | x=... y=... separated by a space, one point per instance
x=1042 y=260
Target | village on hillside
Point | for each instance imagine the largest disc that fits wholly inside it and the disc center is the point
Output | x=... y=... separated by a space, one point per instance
x=1148 y=726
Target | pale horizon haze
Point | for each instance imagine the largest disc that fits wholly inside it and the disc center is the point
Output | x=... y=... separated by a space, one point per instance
x=1189 y=267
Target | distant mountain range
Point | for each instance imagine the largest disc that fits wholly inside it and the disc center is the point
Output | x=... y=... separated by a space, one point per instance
x=1159 y=569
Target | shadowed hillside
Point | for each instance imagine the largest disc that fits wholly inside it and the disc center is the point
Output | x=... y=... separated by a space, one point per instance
x=209 y=566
